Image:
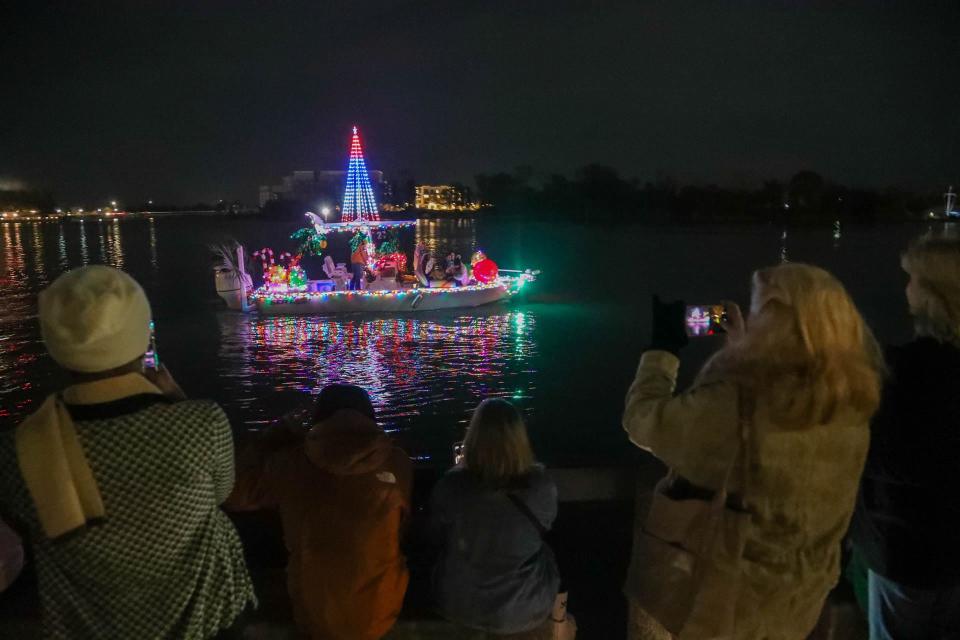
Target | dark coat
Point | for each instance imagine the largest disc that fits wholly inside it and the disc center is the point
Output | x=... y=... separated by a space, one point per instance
x=907 y=521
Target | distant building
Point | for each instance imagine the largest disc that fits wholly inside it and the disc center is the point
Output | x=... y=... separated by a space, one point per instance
x=315 y=187
x=442 y=198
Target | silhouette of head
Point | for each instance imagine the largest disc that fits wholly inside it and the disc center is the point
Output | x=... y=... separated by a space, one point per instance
x=335 y=397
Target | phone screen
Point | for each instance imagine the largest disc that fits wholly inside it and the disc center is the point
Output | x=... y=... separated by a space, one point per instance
x=150 y=359
x=457 y=452
x=705 y=319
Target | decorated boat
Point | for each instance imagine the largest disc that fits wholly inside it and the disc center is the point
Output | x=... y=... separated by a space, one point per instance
x=378 y=280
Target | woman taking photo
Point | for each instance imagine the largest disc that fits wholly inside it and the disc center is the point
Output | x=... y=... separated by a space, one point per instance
x=495 y=573
x=776 y=424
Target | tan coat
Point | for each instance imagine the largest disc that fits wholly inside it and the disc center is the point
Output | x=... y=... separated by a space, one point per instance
x=802 y=484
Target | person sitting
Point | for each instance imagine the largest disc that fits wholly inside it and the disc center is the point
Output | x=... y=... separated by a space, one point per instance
x=423 y=264
x=495 y=572
x=905 y=524
x=461 y=274
x=117 y=480
x=343 y=490
x=449 y=266
x=777 y=420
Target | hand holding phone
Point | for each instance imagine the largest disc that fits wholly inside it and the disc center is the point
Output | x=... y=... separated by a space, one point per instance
x=705 y=319
x=150 y=359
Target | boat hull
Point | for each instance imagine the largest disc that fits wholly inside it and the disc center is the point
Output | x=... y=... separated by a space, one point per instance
x=409 y=300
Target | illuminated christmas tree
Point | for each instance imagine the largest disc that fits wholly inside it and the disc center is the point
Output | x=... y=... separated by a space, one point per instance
x=358 y=201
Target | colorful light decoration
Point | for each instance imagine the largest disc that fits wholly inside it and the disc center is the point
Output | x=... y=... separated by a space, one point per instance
x=485 y=270
x=271 y=295
x=278 y=278
x=398 y=257
x=358 y=201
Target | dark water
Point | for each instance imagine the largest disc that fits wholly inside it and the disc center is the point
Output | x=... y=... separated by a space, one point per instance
x=565 y=353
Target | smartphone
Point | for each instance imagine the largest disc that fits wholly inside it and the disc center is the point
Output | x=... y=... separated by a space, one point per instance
x=150 y=359
x=457 y=452
x=705 y=319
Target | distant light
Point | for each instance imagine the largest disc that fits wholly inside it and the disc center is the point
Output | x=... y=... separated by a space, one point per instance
x=113 y=203
x=149 y=201
x=325 y=211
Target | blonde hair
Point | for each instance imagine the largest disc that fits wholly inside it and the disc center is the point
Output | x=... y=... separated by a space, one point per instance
x=934 y=268
x=806 y=350
x=496 y=447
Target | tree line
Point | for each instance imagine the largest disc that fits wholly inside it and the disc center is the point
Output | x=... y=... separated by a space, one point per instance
x=597 y=193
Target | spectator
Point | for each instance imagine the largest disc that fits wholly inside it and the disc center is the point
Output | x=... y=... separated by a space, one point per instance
x=118 y=479
x=495 y=573
x=802 y=379
x=906 y=523
x=343 y=493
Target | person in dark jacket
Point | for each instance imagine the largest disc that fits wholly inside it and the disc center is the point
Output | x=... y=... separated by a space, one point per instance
x=495 y=572
x=907 y=521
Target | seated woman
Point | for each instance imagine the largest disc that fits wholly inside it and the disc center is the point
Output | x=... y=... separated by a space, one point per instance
x=343 y=492
x=423 y=264
x=495 y=572
x=457 y=273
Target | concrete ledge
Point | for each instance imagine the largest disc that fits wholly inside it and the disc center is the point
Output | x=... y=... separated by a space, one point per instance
x=595 y=484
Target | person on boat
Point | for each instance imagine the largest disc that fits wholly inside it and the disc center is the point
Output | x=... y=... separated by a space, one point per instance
x=778 y=418
x=423 y=264
x=343 y=490
x=495 y=572
x=358 y=265
x=460 y=273
x=906 y=520
x=116 y=481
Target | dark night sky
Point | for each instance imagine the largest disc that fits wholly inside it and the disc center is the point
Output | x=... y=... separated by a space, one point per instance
x=180 y=103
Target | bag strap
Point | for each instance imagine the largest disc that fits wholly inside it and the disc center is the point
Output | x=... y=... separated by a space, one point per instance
x=525 y=510
x=746 y=404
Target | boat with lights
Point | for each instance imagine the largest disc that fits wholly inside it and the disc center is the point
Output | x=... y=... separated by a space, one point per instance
x=378 y=280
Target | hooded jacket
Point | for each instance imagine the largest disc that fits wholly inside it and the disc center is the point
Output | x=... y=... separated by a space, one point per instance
x=344 y=497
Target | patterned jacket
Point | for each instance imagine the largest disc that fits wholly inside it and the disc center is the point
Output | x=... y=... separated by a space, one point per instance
x=165 y=562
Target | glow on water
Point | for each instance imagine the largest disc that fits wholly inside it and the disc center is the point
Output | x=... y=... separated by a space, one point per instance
x=413 y=367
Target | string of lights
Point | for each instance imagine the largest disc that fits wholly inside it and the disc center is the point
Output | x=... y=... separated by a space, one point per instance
x=358 y=201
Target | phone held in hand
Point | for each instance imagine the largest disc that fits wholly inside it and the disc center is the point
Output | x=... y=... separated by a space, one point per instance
x=705 y=319
x=457 y=452
x=150 y=359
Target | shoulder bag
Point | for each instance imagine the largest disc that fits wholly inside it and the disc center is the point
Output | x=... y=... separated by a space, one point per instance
x=685 y=568
x=563 y=624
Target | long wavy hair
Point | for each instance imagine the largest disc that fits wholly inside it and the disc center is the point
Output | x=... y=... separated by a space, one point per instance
x=496 y=447
x=934 y=268
x=806 y=349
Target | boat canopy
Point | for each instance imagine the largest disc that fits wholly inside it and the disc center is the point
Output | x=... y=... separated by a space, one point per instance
x=323 y=227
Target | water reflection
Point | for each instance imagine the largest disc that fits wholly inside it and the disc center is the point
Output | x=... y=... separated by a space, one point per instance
x=101 y=241
x=84 y=254
x=19 y=349
x=412 y=367
x=39 y=267
x=456 y=234
x=64 y=262
x=153 y=245
x=114 y=245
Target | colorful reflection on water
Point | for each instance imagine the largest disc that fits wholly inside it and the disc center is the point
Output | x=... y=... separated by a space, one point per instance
x=413 y=367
